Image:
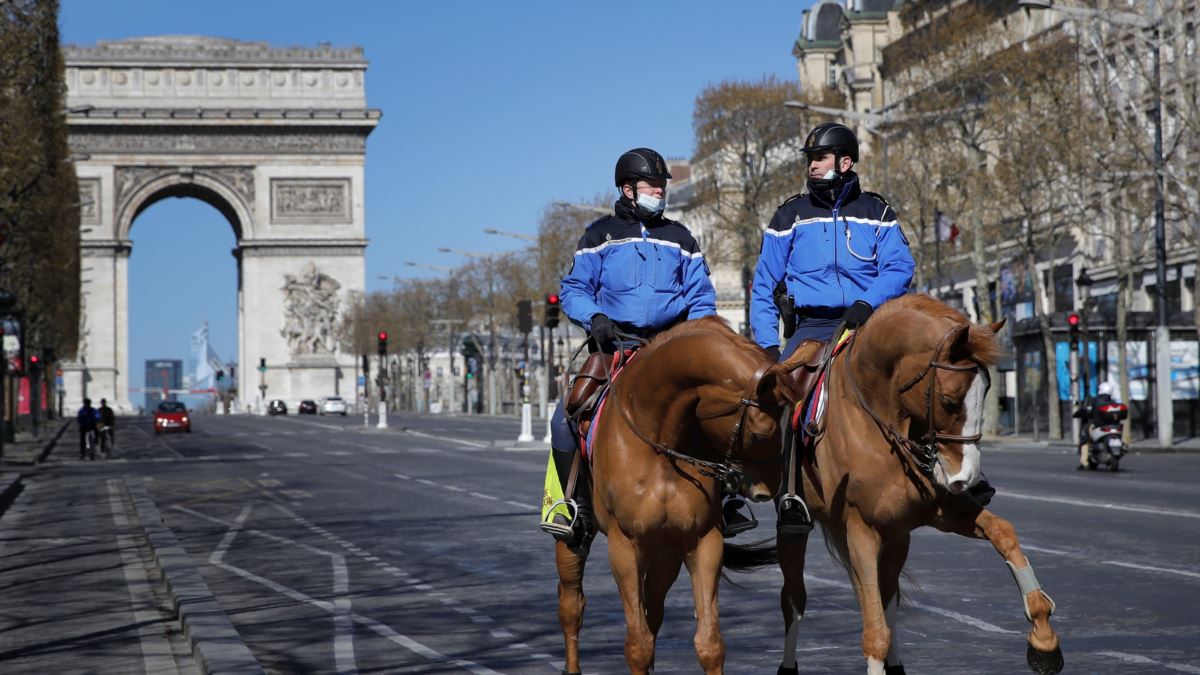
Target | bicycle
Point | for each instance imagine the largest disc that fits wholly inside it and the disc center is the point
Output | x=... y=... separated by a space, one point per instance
x=105 y=441
x=89 y=444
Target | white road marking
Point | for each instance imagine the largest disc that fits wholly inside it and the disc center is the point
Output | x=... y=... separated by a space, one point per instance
x=295 y=454
x=343 y=619
x=227 y=540
x=1152 y=568
x=448 y=439
x=427 y=482
x=483 y=496
x=1091 y=504
x=1135 y=658
x=949 y=614
x=501 y=634
x=455 y=488
x=1041 y=549
x=156 y=652
x=402 y=476
x=520 y=505
x=339 y=453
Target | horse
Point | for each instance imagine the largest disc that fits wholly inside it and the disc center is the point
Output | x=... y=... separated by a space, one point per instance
x=697 y=408
x=898 y=451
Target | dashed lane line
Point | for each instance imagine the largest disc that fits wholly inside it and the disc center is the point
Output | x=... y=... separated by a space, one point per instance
x=448 y=439
x=1152 y=568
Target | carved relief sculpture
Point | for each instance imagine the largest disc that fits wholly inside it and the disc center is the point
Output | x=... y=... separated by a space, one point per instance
x=310 y=311
x=310 y=201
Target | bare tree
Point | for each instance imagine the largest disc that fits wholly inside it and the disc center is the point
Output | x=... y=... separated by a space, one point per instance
x=747 y=162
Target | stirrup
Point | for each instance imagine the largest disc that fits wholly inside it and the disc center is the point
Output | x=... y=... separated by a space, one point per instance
x=557 y=529
x=794 y=528
x=736 y=528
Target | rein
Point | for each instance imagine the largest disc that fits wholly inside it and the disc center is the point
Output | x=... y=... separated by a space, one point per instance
x=924 y=453
x=728 y=469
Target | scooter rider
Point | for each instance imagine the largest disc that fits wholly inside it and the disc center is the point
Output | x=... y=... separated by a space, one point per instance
x=635 y=272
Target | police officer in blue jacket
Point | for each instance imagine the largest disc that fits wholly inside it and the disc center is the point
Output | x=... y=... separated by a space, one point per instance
x=838 y=250
x=635 y=272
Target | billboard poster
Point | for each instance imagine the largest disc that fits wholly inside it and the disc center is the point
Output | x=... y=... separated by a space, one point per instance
x=1062 y=363
x=1139 y=369
x=1184 y=369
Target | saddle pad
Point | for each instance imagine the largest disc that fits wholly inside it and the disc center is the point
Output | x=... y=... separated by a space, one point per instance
x=587 y=441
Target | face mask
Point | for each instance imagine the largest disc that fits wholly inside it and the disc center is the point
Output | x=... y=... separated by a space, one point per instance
x=651 y=205
x=830 y=175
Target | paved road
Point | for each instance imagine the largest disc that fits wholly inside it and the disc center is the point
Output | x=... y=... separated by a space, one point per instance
x=338 y=549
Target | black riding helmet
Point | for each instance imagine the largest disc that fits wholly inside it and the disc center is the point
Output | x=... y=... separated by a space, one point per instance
x=641 y=163
x=832 y=136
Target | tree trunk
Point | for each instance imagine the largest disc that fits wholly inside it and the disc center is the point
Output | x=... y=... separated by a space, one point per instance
x=1194 y=218
x=1043 y=317
x=979 y=261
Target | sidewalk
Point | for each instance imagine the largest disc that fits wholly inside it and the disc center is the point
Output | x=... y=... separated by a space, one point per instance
x=93 y=582
x=1026 y=442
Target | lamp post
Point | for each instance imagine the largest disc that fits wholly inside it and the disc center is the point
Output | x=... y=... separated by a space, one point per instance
x=1084 y=283
x=1162 y=333
x=515 y=235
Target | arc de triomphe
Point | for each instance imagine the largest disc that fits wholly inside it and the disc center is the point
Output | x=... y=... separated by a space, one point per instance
x=273 y=138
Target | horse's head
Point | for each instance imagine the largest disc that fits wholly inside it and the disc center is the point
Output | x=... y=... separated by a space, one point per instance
x=743 y=411
x=942 y=393
x=937 y=363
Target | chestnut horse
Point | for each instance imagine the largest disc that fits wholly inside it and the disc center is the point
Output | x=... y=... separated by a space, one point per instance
x=905 y=407
x=696 y=408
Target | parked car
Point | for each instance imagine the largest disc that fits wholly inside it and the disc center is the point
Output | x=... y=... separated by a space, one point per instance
x=333 y=405
x=276 y=407
x=172 y=416
x=307 y=407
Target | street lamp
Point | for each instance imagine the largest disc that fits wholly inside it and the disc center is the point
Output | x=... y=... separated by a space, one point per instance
x=604 y=210
x=1084 y=283
x=514 y=235
x=1162 y=342
x=425 y=266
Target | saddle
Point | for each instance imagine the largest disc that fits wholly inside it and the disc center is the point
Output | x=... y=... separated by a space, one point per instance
x=805 y=364
x=587 y=388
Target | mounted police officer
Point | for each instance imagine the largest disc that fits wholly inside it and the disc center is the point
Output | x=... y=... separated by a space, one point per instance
x=636 y=273
x=838 y=252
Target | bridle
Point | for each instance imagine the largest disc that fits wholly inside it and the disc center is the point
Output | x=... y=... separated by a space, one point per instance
x=924 y=452
x=729 y=469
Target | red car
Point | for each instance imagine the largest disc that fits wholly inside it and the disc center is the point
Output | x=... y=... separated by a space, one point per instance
x=171 y=416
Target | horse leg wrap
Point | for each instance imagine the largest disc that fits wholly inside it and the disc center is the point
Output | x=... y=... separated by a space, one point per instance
x=1027 y=582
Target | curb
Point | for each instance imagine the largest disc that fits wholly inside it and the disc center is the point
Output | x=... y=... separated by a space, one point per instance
x=49 y=447
x=216 y=644
x=10 y=486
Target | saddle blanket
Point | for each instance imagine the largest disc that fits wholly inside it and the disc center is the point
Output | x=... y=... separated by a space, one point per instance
x=809 y=416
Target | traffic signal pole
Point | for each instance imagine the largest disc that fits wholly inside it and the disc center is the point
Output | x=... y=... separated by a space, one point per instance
x=1073 y=328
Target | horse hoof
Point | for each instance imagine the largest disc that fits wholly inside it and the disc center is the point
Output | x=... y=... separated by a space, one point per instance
x=787 y=671
x=897 y=669
x=1044 y=663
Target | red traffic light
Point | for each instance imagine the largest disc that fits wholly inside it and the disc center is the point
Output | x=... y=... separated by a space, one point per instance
x=34 y=359
x=1072 y=320
x=552 y=299
x=383 y=335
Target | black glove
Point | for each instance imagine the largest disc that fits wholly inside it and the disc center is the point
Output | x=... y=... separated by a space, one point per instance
x=773 y=352
x=603 y=331
x=858 y=313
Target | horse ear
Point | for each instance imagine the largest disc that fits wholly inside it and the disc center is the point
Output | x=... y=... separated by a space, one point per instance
x=959 y=338
x=996 y=327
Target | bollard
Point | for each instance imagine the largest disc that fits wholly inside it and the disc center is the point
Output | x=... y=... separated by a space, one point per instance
x=550 y=407
x=526 y=423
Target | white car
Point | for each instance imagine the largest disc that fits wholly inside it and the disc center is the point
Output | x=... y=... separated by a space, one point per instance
x=333 y=405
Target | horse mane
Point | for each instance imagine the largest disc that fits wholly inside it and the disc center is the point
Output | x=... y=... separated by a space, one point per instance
x=709 y=324
x=982 y=343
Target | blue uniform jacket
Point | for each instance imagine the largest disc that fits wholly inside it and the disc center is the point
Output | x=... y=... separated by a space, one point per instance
x=643 y=276
x=829 y=255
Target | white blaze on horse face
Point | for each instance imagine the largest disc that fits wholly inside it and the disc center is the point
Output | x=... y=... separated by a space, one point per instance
x=969 y=470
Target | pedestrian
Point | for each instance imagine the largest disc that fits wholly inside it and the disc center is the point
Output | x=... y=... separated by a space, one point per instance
x=635 y=272
x=108 y=420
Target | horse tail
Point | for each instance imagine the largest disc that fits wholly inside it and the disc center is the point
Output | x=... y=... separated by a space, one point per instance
x=748 y=558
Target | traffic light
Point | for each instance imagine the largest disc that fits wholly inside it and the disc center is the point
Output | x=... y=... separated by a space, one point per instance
x=1073 y=326
x=382 y=345
x=220 y=375
x=552 y=308
x=262 y=365
x=525 y=316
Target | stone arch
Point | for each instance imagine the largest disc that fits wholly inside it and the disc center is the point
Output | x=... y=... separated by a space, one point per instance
x=145 y=186
x=275 y=140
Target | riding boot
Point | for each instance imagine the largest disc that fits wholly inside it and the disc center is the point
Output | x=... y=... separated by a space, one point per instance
x=574 y=529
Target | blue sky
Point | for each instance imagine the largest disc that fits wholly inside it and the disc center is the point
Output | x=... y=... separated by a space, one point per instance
x=491 y=110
